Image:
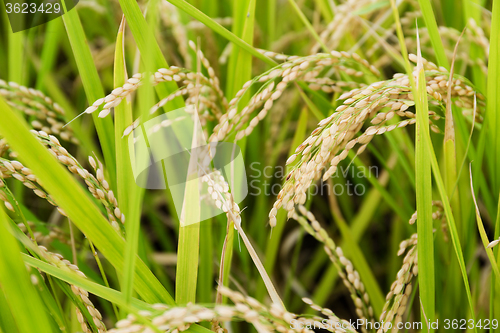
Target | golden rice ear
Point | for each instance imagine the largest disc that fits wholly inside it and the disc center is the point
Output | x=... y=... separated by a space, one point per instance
x=339 y=133
x=264 y=318
x=97 y=185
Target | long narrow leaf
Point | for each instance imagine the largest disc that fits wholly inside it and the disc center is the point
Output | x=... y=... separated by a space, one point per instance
x=424 y=203
x=129 y=194
x=23 y=299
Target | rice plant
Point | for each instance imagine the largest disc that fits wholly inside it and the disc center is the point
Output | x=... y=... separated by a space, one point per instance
x=250 y=166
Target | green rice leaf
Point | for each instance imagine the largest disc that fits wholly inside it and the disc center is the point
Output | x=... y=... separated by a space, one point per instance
x=24 y=301
x=426 y=275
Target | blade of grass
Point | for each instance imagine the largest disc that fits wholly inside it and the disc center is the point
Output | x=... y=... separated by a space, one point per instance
x=23 y=299
x=206 y=270
x=188 y=246
x=188 y=252
x=150 y=55
x=226 y=260
x=15 y=57
x=273 y=294
x=424 y=201
x=451 y=223
x=7 y=321
x=70 y=277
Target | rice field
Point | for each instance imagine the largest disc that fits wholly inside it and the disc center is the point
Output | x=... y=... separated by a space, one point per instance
x=249 y=166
